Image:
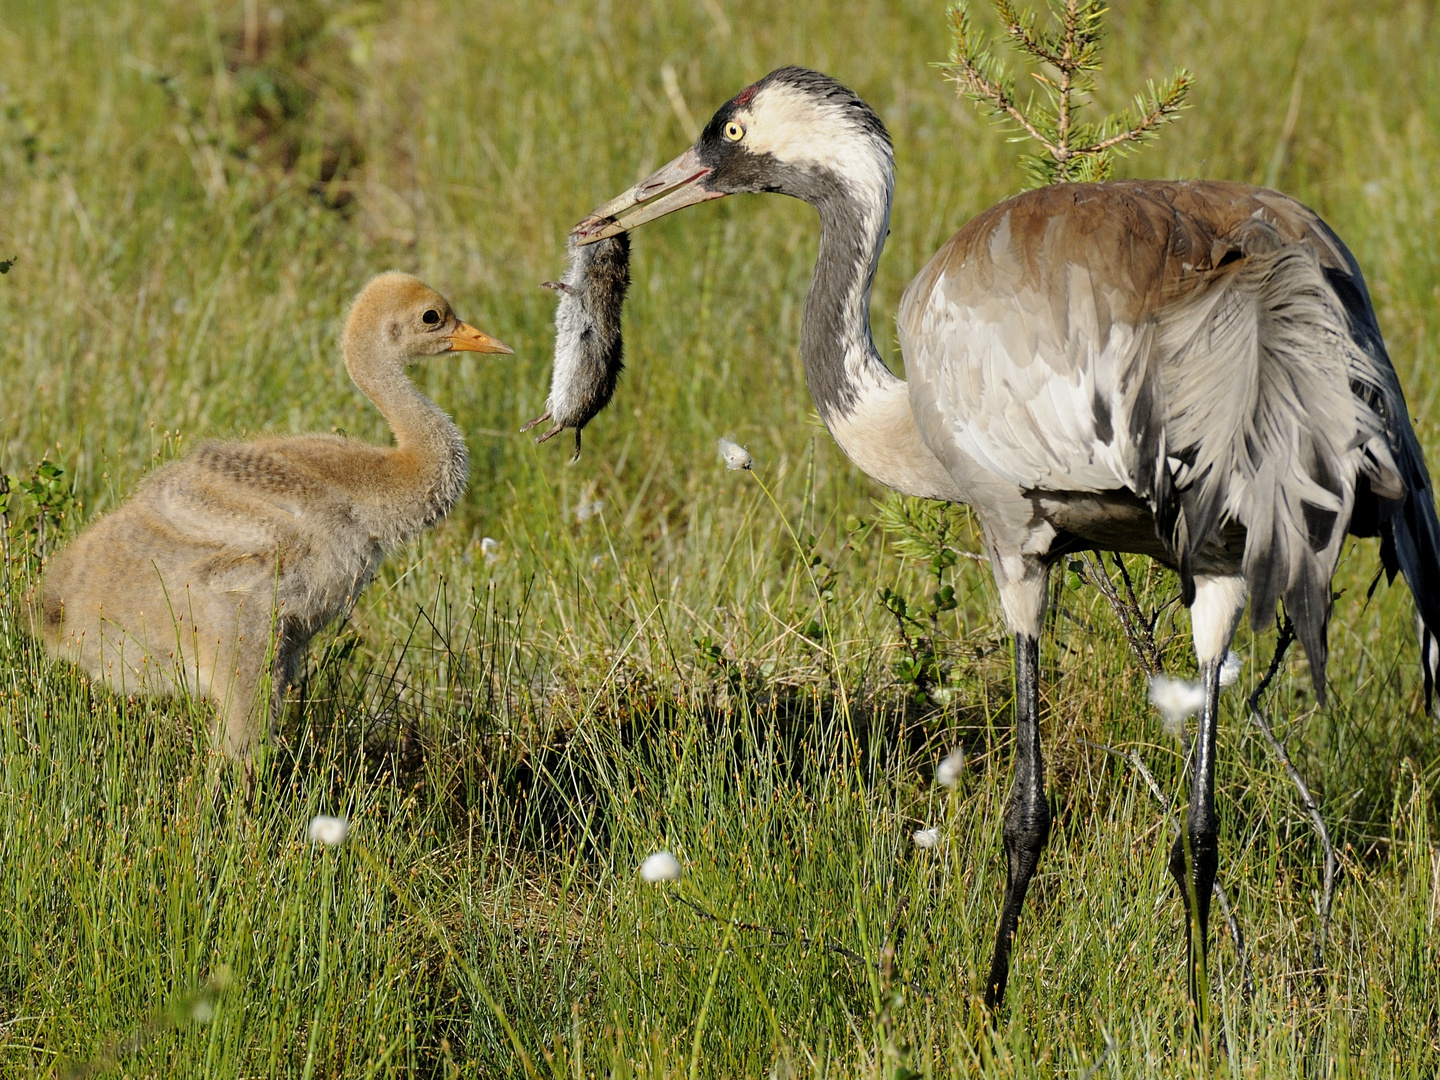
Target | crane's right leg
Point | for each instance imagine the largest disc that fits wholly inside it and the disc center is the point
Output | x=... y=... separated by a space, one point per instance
x=1027 y=821
x=1022 y=582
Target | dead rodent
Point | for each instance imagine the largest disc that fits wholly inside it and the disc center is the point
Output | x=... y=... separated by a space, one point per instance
x=588 y=349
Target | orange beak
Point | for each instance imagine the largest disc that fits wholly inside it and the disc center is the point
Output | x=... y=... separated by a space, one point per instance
x=467 y=339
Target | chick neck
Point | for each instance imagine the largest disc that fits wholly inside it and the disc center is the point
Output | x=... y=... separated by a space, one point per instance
x=431 y=460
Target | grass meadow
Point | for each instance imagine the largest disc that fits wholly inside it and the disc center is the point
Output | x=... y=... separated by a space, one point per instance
x=657 y=653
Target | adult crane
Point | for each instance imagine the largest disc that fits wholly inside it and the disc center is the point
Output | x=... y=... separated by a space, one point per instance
x=1187 y=370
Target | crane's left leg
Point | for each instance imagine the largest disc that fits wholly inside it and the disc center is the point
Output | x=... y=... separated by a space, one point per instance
x=1195 y=857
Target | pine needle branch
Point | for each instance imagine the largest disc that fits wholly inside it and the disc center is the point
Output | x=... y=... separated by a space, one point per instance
x=982 y=78
x=1155 y=110
x=1069 y=57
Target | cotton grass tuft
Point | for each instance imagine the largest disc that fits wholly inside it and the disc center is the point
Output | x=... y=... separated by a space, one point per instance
x=948 y=772
x=330 y=831
x=661 y=866
x=735 y=456
x=926 y=838
x=1177 y=700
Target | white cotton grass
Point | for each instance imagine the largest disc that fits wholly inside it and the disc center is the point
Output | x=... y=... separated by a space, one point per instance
x=948 y=772
x=661 y=866
x=490 y=548
x=327 y=830
x=735 y=456
x=1230 y=669
x=926 y=838
x=1177 y=700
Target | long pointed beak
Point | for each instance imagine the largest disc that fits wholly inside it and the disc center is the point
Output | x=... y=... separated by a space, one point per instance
x=666 y=190
x=467 y=339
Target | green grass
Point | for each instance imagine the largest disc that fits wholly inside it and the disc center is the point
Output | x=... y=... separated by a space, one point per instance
x=510 y=739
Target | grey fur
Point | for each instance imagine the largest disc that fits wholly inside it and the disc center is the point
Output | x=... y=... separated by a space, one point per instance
x=589 y=352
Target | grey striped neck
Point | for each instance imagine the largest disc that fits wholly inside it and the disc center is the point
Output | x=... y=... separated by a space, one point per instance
x=836 y=346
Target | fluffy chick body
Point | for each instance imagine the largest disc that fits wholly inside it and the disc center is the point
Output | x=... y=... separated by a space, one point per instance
x=223 y=566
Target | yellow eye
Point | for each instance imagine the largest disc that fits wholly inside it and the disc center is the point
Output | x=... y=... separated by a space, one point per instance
x=734 y=132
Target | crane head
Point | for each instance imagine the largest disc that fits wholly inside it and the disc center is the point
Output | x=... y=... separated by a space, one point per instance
x=796 y=132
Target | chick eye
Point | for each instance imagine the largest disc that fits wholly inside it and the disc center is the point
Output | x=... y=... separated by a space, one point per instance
x=430 y=318
x=734 y=132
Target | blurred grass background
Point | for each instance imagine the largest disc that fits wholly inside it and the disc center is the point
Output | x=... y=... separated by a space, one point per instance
x=192 y=192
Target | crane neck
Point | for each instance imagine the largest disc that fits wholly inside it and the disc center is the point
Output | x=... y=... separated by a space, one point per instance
x=841 y=361
x=430 y=457
x=865 y=406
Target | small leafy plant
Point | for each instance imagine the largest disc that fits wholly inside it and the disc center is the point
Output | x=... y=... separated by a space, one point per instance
x=35 y=505
x=931 y=532
x=1067 y=56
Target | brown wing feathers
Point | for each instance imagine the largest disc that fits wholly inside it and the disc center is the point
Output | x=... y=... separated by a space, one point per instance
x=1263 y=398
x=1273 y=412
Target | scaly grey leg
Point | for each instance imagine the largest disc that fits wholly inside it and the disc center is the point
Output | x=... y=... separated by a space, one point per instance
x=1196 y=848
x=1027 y=821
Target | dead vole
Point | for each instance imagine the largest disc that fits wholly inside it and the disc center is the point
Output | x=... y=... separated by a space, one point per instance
x=588 y=348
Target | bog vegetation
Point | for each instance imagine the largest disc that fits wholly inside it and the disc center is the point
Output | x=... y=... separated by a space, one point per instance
x=758 y=671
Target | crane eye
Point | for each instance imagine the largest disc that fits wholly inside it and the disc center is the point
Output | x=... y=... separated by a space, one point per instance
x=430 y=318
x=734 y=132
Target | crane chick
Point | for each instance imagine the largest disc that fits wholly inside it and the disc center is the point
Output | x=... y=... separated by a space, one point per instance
x=588 y=348
x=223 y=566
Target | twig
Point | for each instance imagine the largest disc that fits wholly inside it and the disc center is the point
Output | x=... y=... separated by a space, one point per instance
x=1138 y=632
x=1332 y=860
x=1283 y=642
x=801 y=940
x=1028 y=41
x=5 y=520
x=1247 y=981
x=1100 y=1061
x=1159 y=112
x=1132 y=758
x=976 y=84
x=1133 y=599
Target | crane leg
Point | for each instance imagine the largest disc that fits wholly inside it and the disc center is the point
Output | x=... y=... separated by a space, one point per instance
x=1195 y=856
x=1027 y=820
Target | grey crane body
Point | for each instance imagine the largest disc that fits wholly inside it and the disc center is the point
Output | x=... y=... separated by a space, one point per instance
x=589 y=348
x=1187 y=370
x=1214 y=379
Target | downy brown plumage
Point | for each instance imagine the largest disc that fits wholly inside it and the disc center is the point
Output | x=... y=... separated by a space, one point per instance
x=224 y=565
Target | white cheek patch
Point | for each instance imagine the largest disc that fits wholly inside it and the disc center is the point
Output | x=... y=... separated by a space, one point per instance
x=795 y=129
